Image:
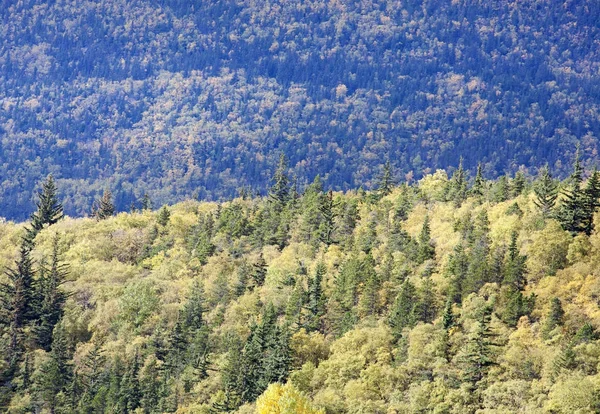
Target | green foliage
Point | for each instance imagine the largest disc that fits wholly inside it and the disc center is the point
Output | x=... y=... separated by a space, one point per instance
x=104 y=208
x=49 y=208
x=212 y=308
x=546 y=192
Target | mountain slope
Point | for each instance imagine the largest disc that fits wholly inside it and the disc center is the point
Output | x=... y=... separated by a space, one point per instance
x=178 y=99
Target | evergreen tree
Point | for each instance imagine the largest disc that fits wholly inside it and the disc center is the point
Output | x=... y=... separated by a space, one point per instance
x=501 y=190
x=49 y=208
x=479 y=182
x=555 y=316
x=130 y=393
x=259 y=271
x=574 y=212
x=328 y=214
x=202 y=245
x=403 y=310
x=164 y=215
x=279 y=193
x=515 y=268
x=315 y=304
x=426 y=249
x=312 y=226
x=146 y=202
x=52 y=297
x=458 y=267
x=18 y=304
x=448 y=318
x=368 y=303
x=518 y=184
x=592 y=200
x=426 y=308
x=478 y=355
x=458 y=185
x=386 y=181
x=293 y=310
x=545 y=192
x=104 y=208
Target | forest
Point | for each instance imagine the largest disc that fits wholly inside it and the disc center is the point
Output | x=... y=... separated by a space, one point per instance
x=181 y=99
x=454 y=293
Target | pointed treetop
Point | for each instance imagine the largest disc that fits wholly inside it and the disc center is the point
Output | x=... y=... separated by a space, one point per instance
x=280 y=190
x=386 y=181
x=49 y=209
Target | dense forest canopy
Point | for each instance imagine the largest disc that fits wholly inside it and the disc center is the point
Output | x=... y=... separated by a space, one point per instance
x=447 y=295
x=179 y=98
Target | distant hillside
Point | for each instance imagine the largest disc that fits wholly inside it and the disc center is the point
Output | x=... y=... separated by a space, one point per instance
x=179 y=98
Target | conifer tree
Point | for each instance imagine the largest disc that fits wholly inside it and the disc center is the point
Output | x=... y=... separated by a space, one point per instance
x=515 y=268
x=146 y=202
x=18 y=303
x=403 y=310
x=458 y=185
x=202 y=244
x=104 y=208
x=518 y=184
x=478 y=354
x=386 y=181
x=426 y=249
x=328 y=214
x=293 y=310
x=368 y=303
x=311 y=222
x=315 y=304
x=279 y=193
x=448 y=318
x=49 y=208
x=545 y=192
x=52 y=297
x=555 y=316
x=259 y=271
x=164 y=215
x=501 y=190
x=479 y=182
x=574 y=212
x=426 y=307
x=458 y=267
x=592 y=200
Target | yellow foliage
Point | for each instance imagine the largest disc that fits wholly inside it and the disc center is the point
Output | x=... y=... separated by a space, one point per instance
x=285 y=399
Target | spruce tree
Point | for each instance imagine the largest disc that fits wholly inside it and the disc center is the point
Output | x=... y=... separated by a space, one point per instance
x=328 y=214
x=592 y=200
x=448 y=317
x=164 y=215
x=555 y=316
x=368 y=303
x=426 y=249
x=279 y=193
x=104 y=208
x=52 y=297
x=18 y=303
x=386 y=180
x=49 y=208
x=458 y=185
x=259 y=271
x=515 y=268
x=479 y=182
x=518 y=184
x=146 y=202
x=315 y=304
x=403 y=310
x=574 y=212
x=546 y=192
x=478 y=354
